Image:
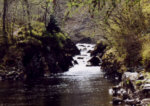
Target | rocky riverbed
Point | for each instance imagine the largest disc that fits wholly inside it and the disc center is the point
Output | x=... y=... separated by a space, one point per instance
x=133 y=90
x=134 y=86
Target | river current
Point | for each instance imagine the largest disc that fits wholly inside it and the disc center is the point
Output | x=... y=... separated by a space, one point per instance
x=81 y=85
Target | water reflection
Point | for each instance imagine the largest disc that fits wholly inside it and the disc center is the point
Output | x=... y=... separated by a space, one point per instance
x=65 y=90
x=80 y=86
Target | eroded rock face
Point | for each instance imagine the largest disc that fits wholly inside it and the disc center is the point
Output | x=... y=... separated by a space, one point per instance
x=52 y=58
x=39 y=51
x=97 y=54
x=29 y=60
x=95 y=61
x=99 y=50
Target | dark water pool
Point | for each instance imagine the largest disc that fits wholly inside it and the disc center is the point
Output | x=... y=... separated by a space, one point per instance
x=58 y=90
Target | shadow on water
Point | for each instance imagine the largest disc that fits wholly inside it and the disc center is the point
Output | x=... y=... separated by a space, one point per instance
x=80 y=86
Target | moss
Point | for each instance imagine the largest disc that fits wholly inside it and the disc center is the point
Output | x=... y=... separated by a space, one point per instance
x=139 y=82
x=38 y=25
x=114 y=55
x=37 y=33
x=37 y=29
x=113 y=64
x=145 y=6
x=61 y=36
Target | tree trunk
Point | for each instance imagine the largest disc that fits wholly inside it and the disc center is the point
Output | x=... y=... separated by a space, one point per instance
x=28 y=15
x=5 y=8
x=46 y=10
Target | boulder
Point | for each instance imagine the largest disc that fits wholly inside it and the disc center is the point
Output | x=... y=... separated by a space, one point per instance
x=99 y=49
x=130 y=75
x=89 y=51
x=12 y=75
x=141 y=77
x=125 y=96
x=145 y=102
x=131 y=102
x=146 y=90
x=95 y=61
x=117 y=100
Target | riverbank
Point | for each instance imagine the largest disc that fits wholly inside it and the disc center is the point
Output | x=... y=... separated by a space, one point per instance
x=31 y=59
x=35 y=52
x=134 y=87
x=133 y=90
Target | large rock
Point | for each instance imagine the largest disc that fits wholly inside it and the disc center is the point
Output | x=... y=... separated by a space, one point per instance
x=97 y=54
x=85 y=40
x=145 y=102
x=51 y=56
x=37 y=56
x=145 y=90
x=95 y=61
x=130 y=75
x=131 y=102
x=117 y=100
x=99 y=49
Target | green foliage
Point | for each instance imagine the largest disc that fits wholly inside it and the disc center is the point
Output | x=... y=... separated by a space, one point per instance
x=139 y=82
x=37 y=29
x=38 y=32
x=124 y=30
x=145 y=52
x=127 y=31
x=114 y=61
x=97 y=6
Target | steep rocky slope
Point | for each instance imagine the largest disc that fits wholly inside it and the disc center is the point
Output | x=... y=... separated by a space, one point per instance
x=37 y=52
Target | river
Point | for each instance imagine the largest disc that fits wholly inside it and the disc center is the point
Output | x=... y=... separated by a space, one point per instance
x=82 y=85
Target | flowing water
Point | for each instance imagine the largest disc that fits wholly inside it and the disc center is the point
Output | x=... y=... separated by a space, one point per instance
x=82 y=85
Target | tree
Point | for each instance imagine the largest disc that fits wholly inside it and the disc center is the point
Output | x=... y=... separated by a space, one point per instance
x=53 y=26
x=28 y=14
x=5 y=9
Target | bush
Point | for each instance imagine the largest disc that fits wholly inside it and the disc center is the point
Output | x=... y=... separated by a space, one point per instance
x=145 y=52
x=124 y=30
x=113 y=64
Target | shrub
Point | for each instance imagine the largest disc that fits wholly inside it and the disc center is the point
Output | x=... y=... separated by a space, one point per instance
x=145 y=52
x=124 y=30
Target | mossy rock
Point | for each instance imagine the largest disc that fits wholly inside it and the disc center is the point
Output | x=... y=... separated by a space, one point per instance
x=139 y=82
